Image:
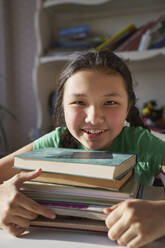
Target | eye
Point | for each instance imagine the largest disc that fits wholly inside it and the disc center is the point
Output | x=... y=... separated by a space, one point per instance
x=109 y=103
x=78 y=103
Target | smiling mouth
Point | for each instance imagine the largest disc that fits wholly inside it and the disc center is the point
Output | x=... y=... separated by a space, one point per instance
x=96 y=131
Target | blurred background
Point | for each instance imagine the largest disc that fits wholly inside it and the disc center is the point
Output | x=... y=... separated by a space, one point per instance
x=37 y=38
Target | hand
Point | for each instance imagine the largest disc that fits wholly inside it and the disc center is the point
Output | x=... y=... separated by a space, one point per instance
x=16 y=209
x=134 y=223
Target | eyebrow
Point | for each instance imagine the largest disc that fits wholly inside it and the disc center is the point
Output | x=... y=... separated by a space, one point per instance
x=84 y=95
x=78 y=94
x=112 y=94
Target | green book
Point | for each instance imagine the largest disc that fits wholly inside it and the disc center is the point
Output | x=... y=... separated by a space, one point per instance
x=95 y=164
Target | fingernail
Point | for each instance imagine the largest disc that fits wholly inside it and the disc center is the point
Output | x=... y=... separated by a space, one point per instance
x=52 y=216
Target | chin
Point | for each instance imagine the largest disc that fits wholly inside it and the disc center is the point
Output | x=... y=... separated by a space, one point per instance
x=95 y=147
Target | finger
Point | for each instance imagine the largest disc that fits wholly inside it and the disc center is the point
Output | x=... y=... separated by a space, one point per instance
x=34 y=207
x=25 y=176
x=117 y=230
x=14 y=230
x=136 y=242
x=112 y=218
x=18 y=221
x=22 y=212
x=126 y=237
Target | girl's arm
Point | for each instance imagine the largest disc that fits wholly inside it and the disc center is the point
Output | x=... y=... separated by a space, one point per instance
x=6 y=163
x=16 y=209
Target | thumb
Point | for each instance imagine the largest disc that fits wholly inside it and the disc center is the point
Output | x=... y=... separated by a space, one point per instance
x=26 y=176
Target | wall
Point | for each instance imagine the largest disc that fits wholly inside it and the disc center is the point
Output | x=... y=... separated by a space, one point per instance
x=17 y=52
x=18 y=49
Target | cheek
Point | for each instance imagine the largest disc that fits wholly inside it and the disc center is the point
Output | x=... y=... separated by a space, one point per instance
x=72 y=118
x=117 y=118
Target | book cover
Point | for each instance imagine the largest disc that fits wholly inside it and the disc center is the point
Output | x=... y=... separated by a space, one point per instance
x=115 y=184
x=95 y=164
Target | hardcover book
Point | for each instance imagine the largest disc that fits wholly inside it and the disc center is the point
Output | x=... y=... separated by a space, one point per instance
x=96 y=164
x=80 y=181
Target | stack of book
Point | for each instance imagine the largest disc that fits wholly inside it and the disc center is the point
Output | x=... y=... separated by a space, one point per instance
x=77 y=37
x=150 y=35
x=77 y=185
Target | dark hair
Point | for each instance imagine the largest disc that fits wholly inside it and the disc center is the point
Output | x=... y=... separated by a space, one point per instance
x=103 y=60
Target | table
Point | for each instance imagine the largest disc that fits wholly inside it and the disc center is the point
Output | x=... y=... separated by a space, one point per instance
x=55 y=238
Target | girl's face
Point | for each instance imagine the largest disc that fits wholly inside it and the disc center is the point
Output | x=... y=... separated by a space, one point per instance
x=95 y=107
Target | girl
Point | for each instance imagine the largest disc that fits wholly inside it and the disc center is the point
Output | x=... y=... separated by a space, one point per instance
x=95 y=99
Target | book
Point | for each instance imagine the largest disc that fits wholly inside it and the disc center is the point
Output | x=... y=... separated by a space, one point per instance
x=159 y=44
x=157 y=33
x=115 y=184
x=77 y=210
x=68 y=222
x=77 y=37
x=76 y=32
x=122 y=33
x=116 y=43
x=96 y=164
x=134 y=41
x=53 y=193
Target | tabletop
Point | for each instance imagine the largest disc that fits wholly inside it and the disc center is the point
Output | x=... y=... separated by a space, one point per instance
x=55 y=238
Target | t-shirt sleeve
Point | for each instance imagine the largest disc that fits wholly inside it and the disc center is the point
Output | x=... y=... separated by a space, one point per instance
x=151 y=150
x=51 y=139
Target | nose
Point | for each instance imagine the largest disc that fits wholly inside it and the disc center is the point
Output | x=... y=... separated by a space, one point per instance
x=94 y=115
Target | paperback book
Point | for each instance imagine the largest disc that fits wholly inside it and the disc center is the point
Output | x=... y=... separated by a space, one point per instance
x=61 y=193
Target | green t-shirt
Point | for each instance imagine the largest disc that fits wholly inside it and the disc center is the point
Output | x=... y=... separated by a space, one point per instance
x=149 y=149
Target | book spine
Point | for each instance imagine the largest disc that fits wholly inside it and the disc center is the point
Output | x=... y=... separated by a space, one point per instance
x=145 y=41
x=138 y=34
x=134 y=45
x=116 y=36
x=159 y=44
x=78 y=30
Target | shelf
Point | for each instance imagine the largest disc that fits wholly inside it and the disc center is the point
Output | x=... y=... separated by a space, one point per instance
x=143 y=55
x=103 y=17
x=50 y=3
x=133 y=55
